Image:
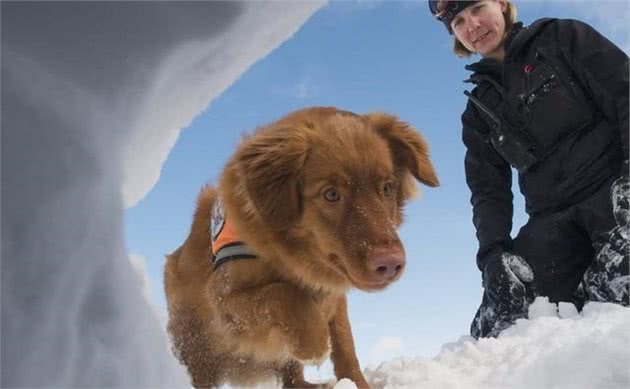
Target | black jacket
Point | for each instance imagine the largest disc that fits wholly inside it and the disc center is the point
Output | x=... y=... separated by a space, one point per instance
x=562 y=93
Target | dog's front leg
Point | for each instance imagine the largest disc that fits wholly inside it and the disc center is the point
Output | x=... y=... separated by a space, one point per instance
x=292 y=374
x=343 y=355
x=286 y=317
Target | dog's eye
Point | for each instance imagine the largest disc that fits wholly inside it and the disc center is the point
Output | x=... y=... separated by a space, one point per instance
x=332 y=194
x=389 y=189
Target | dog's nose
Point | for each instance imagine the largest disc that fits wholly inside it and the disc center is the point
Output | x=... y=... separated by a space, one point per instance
x=385 y=263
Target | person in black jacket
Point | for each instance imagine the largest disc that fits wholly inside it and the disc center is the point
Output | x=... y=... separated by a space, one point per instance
x=551 y=102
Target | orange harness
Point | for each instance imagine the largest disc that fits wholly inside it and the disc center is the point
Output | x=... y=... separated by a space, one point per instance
x=225 y=243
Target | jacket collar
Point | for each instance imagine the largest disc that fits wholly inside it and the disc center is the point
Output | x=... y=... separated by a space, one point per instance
x=516 y=39
x=491 y=66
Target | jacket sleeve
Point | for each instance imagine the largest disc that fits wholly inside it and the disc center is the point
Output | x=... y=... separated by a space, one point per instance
x=602 y=67
x=489 y=178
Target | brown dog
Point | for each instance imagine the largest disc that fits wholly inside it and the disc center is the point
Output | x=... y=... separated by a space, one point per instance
x=317 y=197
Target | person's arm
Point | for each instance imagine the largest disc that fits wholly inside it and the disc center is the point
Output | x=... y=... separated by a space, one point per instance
x=489 y=178
x=506 y=278
x=602 y=67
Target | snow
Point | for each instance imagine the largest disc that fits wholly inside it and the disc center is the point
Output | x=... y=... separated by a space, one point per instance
x=93 y=98
x=345 y=383
x=518 y=265
x=567 y=310
x=554 y=348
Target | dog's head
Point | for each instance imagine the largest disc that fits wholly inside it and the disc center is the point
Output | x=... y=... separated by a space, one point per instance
x=332 y=185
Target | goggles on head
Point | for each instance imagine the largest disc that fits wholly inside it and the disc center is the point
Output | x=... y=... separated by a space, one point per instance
x=446 y=10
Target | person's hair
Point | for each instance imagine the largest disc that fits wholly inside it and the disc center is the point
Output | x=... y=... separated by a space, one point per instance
x=510 y=18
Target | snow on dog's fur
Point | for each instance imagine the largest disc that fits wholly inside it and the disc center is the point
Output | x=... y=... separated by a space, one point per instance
x=317 y=196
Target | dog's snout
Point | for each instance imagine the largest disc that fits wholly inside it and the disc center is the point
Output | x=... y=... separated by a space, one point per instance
x=385 y=263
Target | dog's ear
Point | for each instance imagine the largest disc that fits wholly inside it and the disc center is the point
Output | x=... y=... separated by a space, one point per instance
x=270 y=163
x=409 y=149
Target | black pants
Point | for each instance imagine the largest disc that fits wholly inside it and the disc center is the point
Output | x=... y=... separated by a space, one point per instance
x=590 y=237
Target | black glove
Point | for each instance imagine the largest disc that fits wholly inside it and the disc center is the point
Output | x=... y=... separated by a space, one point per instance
x=507 y=294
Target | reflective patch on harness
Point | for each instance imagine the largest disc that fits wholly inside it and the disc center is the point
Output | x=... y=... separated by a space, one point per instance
x=217 y=219
x=225 y=243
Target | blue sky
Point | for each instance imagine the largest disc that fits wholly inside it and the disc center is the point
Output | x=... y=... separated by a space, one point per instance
x=361 y=56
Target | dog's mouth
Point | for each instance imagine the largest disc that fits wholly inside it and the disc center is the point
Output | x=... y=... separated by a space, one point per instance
x=357 y=281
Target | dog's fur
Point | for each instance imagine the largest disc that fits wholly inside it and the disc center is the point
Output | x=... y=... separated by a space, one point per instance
x=318 y=195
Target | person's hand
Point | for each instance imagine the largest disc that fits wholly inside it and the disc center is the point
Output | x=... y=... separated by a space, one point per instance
x=508 y=292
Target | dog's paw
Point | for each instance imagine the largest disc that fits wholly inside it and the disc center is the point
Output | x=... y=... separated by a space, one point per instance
x=311 y=341
x=311 y=354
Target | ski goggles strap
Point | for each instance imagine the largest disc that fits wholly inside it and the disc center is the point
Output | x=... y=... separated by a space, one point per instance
x=446 y=10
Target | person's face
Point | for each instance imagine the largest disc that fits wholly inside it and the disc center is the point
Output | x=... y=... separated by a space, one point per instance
x=481 y=27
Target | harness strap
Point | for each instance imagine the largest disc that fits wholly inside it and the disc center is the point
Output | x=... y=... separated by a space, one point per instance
x=226 y=245
x=231 y=251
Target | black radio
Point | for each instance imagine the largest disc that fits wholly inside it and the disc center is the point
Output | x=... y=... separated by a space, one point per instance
x=514 y=146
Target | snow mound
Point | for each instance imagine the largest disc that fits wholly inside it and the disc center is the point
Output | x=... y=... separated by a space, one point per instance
x=555 y=348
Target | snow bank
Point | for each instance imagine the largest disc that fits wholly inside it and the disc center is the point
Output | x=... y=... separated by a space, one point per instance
x=93 y=97
x=555 y=348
